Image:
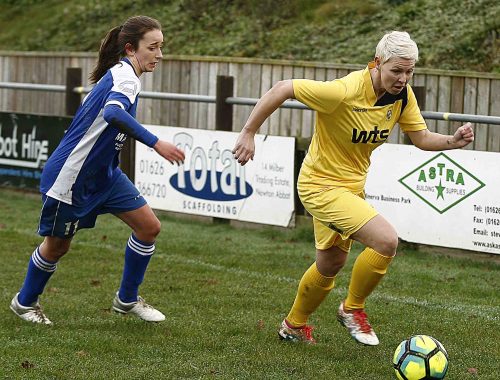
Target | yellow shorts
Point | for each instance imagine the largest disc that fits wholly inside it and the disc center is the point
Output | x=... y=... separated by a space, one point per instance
x=337 y=214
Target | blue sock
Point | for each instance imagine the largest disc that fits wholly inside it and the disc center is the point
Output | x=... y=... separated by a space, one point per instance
x=137 y=256
x=39 y=272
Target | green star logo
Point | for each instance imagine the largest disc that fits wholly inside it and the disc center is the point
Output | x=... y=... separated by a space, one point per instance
x=441 y=183
x=440 y=190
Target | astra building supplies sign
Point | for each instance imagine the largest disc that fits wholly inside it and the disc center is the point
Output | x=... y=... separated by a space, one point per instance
x=447 y=199
x=26 y=141
x=211 y=182
x=441 y=182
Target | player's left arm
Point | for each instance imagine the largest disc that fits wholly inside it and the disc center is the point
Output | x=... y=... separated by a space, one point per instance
x=121 y=119
x=427 y=140
x=116 y=116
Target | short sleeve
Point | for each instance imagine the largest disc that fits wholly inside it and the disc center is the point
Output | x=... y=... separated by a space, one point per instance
x=126 y=87
x=411 y=120
x=320 y=96
x=119 y=99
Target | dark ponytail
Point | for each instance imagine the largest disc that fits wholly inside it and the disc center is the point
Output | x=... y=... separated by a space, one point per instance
x=109 y=54
x=113 y=46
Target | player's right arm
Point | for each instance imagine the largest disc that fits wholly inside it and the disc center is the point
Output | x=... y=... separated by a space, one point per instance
x=244 y=148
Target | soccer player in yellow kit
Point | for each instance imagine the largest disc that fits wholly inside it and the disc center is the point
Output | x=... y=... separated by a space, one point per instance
x=354 y=115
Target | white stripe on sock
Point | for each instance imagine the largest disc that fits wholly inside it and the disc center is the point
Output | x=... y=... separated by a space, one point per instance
x=40 y=263
x=141 y=249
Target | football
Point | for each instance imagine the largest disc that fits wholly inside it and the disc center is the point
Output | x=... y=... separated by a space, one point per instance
x=420 y=357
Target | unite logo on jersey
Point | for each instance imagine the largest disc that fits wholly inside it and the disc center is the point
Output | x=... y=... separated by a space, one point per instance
x=128 y=87
x=374 y=136
x=120 y=140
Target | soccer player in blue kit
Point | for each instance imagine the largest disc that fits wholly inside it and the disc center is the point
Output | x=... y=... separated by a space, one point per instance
x=82 y=180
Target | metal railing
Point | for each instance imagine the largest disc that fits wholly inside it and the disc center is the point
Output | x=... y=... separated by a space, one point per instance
x=224 y=101
x=33 y=86
x=232 y=100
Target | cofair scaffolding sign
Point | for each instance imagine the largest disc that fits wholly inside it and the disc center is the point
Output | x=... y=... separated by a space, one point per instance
x=210 y=182
x=447 y=199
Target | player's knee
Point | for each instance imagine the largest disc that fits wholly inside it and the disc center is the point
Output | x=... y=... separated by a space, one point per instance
x=330 y=261
x=53 y=252
x=388 y=245
x=154 y=228
x=147 y=232
x=157 y=228
x=53 y=249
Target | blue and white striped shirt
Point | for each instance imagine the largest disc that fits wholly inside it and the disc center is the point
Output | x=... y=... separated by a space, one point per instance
x=86 y=161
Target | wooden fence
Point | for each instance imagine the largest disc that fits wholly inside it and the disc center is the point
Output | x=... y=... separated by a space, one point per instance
x=444 y=91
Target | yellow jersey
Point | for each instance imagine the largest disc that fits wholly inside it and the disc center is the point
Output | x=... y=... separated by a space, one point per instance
x=350 y=124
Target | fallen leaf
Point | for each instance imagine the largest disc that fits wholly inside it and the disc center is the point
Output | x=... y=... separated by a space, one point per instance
x=27 y=365
x=472 y=371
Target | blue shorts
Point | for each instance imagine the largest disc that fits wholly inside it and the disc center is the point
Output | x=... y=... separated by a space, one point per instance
x=63 y=220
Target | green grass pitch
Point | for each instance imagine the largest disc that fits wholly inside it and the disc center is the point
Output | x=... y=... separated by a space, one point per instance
x=225 y=290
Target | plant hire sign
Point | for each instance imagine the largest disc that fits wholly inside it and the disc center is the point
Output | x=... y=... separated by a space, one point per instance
x=441 y=183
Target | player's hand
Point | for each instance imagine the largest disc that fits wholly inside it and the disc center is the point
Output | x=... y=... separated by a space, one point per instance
x=169 y=152
x=463 y=136
x=244 y=149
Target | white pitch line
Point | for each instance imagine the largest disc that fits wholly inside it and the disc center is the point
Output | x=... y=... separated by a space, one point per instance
x=490 y=313
x=221 y=268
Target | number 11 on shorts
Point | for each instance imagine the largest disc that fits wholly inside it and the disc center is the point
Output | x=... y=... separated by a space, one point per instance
x=70 y=225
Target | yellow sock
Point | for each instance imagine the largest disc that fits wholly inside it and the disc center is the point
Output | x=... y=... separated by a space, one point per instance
x=313 y=288
x=368 y=270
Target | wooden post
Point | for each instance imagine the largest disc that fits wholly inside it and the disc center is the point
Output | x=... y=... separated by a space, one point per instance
x=73 y=79
x=301 y=146
x=224 y=111
x=127 y=158
x=419 y=92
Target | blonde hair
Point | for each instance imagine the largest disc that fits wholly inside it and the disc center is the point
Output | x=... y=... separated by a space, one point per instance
x=396 y=44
